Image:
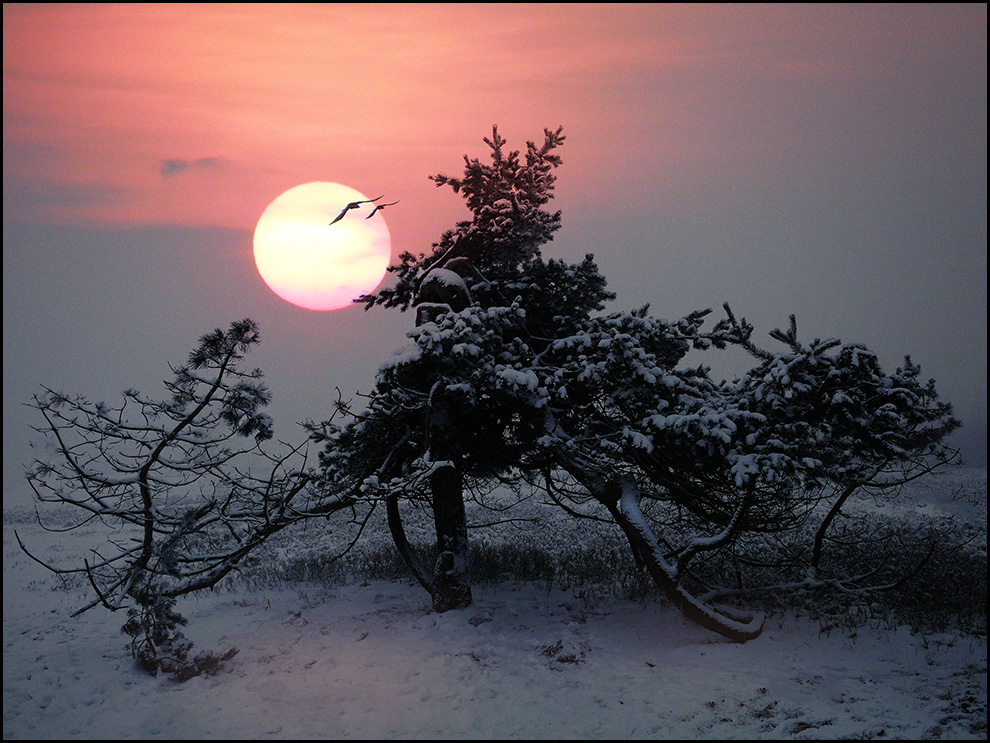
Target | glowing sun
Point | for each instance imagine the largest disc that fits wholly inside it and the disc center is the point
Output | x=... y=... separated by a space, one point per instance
x=312 y=263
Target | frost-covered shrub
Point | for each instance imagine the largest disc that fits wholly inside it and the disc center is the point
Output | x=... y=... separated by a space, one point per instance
x=158 y=646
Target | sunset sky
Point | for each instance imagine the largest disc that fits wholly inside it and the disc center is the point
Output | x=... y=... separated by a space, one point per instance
x=827 y=161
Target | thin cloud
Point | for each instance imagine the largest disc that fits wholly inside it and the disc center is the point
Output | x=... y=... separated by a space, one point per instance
x=174 y=166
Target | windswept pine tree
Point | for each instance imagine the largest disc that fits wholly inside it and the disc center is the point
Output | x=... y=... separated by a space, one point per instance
x=515 y=375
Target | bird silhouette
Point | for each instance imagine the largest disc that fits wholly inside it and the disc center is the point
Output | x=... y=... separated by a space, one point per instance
x=354 y=205
x=380 y=206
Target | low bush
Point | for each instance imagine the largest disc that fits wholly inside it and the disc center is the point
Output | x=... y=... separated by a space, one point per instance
x=593 y=560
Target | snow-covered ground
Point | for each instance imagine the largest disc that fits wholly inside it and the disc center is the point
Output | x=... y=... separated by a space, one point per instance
x=371 y=661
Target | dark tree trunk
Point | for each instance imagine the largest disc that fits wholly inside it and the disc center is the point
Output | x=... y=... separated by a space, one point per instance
x=728 y=623
x=731 y=625
x=402 y=543
x=451 y=587
x=816 y=554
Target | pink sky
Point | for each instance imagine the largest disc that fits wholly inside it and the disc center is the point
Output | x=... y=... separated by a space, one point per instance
x=253 y=99
x=259 y=98
x=826 y=160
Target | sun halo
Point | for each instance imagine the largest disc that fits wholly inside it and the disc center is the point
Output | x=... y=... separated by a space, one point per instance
x=316 y=265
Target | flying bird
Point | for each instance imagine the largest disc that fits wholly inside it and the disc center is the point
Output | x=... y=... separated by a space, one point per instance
x=354 y=205
x=380 y=206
